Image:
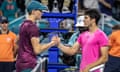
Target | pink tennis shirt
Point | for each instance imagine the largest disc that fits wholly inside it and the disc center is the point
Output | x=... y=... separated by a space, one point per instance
x=90 y=45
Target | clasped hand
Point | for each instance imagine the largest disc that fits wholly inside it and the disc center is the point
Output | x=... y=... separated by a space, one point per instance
x=55 y=40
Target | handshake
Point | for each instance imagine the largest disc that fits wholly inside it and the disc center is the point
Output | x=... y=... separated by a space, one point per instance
x=54 y=39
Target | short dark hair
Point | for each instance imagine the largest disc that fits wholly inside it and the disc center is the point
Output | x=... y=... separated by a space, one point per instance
x=29 y=12
x=93 y=14
x=116 y=27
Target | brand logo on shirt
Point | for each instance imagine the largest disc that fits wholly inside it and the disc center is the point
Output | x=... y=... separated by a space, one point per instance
x=8 y=39
x=10 y=7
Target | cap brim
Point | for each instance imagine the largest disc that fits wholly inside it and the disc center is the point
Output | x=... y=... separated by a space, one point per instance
x=42 y=7
x=81 y=24
x=4 y=21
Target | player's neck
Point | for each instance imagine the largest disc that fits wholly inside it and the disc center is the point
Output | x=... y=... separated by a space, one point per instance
x=4 y=31
x=32 y=18
x=93 y=28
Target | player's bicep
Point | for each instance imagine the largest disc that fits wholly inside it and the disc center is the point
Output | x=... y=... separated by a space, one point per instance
x=104 y=52
x=76 y=47
x=35 y=43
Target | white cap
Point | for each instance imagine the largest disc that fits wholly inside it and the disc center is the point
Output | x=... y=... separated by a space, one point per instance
x=80 y=21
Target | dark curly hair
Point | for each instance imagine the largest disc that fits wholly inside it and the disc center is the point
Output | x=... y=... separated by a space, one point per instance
x=93 y=14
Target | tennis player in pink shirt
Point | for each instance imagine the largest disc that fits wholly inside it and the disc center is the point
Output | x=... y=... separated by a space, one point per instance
x=92 y=43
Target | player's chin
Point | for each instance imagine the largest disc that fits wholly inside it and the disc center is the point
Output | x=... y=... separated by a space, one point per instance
x=86 y=25
x=38 y=18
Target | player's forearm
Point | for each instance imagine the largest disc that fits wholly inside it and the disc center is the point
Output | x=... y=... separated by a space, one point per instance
x=15 y=50
x=16 y=14
x=46 y=46
x=42 y=47
x=106 y=4
x=101 y=60
x=66 y=49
